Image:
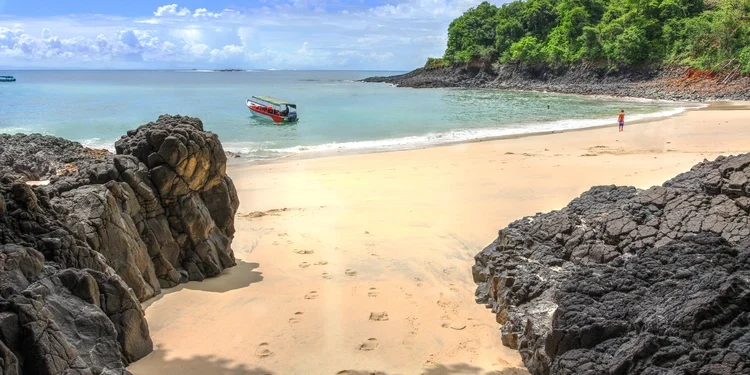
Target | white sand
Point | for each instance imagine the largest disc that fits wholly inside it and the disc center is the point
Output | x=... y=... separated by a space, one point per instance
x=369 y=268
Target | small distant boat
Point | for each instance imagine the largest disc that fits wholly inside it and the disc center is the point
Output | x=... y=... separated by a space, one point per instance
x=7 y=79
x=280 y=111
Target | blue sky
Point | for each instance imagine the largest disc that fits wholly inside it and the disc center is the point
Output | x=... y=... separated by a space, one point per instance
x=257 y=34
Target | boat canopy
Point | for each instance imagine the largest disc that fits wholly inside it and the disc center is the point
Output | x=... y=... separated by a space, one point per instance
x=274 y=101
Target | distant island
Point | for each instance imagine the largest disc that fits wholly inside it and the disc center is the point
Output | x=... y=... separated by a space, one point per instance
x=218 y=70
x=690 y=49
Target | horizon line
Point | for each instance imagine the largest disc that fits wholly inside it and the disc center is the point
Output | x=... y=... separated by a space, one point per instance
x=199 y=69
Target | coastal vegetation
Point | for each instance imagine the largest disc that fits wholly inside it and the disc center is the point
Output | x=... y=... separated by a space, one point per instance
x=711 y=35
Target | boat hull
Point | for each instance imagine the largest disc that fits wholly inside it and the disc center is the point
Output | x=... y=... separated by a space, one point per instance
x=259 y=110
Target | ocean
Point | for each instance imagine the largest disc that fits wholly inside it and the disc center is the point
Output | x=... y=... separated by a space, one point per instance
x=336 y=113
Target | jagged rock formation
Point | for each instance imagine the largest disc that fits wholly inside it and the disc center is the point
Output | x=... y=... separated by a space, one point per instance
x=624 y=281
x=79 y=254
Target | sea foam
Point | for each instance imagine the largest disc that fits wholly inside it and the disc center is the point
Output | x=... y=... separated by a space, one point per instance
x=463 y=135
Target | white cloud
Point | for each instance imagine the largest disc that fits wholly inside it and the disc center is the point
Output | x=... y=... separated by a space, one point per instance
x=171 y=10
x=190 y=34
x=292 y=34
x=150 y=21
x=129 y=39
x=228 y=52
x=424 y=9
x=203 y=12
x=195 y=50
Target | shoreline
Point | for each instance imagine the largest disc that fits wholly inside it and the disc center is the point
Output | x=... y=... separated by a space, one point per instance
x=709 y=106
x=666 y=82
x=328 y=247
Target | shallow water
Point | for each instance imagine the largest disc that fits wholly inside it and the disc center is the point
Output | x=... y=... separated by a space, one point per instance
x=336 y=112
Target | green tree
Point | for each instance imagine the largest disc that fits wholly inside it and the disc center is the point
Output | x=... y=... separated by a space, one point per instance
x=527 y=49
x=628 y=47
x=473 y=35
x=510 y=26
x=712 y=35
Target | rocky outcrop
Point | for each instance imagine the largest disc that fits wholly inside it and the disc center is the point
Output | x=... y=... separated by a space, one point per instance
x=673 y=83
x=188 y=168
x=103 y=232
x=628 y=281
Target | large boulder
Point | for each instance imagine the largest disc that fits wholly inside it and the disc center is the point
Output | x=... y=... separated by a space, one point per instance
x=79 y=253
x=681 y=308
x=72 y=299
x=628 y=281
x=187 y=166
x=32 y=341
x=101 y=214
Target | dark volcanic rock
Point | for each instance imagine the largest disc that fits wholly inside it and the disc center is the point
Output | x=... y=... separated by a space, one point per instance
x=78 y=255
x=674 y=83
x=37 y=157
x=187 y=164
x=627 y=281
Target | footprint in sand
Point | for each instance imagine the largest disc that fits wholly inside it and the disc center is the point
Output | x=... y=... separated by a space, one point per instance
x=327 y=276
x=368 y=345
x=455 y=326
x=449 y=323
x=373 y=292
x=297 y=318
x=263 y=351
x=321 y=263
x=442 y=302
x=275 y=243
x=303 y=251
x=311 y=295
x=379 y=316
x=453 y=288
x=350 y=272
x=304 y=265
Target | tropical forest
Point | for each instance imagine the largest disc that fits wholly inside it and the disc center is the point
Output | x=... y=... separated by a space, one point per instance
x=711 y=35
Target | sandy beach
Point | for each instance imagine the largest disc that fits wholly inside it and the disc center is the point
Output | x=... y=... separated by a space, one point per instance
x=361 y=264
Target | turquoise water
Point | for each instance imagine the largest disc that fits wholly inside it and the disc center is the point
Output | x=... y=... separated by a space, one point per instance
x=335 y=111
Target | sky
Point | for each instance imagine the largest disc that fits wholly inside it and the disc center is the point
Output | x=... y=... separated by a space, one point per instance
x=201 y=34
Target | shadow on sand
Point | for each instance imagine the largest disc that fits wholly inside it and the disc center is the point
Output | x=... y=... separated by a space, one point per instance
x=233 y=278
x=467 y=369
x=240 y=276
x=458 y=369
x=156 y=363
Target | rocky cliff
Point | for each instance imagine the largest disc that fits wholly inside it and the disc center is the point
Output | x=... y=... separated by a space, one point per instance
x=79 y=253
x=674 y=83
x=628 y=281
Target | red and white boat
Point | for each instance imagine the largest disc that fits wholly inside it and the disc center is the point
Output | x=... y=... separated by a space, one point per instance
x=280 y=111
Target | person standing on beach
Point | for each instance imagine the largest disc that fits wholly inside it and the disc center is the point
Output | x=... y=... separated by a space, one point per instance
x=621 y=120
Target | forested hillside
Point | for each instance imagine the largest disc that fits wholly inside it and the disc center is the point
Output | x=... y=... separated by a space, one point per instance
x=709 y=35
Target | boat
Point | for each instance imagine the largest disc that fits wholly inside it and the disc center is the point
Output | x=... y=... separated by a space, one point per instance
x=7 y=79
x=280 y=111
